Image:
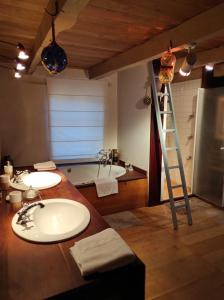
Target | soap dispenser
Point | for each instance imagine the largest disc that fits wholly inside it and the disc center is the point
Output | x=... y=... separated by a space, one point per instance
x=5 y=159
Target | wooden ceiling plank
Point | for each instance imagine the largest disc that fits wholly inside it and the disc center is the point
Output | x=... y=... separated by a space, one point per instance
x=85 y=40
x=69 y=11
x=198 y=28
x=110 y=18
x=81 y=52
x=170 y=11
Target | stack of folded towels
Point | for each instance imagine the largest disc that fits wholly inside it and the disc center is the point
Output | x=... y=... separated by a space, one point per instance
x=45 y=166
x=101 y=252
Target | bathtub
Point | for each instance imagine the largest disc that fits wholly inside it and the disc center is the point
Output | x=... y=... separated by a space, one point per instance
x=86 y=173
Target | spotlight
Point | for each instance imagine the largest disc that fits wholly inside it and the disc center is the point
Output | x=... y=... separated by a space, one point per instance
x=209 y=67
x=17 y=74
x=188 y=64
x=20 y=66
x=22 y=52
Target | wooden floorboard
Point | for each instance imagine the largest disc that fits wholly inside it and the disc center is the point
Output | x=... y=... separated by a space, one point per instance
x=187 y=263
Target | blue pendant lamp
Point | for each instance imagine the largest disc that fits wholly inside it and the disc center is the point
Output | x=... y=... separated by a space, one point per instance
x=53 y=57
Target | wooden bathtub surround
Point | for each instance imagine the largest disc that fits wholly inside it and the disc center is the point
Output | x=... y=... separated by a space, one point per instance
x=39 y=271
x=132 y=194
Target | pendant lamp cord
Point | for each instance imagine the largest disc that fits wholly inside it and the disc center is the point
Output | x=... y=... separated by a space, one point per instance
x=53 y=15
x=53 y=30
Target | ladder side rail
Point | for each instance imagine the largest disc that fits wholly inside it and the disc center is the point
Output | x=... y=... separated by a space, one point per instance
x=164 y=125
x=180 y=161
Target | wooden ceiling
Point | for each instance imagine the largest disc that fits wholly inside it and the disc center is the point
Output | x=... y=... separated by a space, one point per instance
x=19 y=22
x=108 y=27
x=100 y=31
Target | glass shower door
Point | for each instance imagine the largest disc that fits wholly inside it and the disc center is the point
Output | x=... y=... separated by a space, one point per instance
x=208 y=176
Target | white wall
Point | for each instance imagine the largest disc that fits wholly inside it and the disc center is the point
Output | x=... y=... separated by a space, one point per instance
x=111 y=114
x=185 y=100
x=133 y=117
x=23 y=115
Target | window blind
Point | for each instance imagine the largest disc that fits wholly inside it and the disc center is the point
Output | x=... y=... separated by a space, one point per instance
x=76 y=120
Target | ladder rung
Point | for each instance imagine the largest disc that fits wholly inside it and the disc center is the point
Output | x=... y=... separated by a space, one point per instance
x=168 y=130
x=166 y=112
x=180 y=206
x=176 y=186
x=171 y=148
x=173 y=167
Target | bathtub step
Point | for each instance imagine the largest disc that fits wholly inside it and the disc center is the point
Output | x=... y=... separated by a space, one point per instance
x=161 y=122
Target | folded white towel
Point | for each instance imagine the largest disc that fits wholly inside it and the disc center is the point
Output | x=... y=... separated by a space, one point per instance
x=101 y=252
x=45 y=166
x=106 y=186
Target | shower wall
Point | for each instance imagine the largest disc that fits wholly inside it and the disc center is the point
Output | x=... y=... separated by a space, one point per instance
x=185 y=99
x=208 y=180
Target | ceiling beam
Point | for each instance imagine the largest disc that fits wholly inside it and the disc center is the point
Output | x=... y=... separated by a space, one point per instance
x=198 y=28
x=215 y=56
x=69 y=11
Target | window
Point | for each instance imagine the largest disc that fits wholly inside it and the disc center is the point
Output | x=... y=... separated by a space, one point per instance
x=76 y=118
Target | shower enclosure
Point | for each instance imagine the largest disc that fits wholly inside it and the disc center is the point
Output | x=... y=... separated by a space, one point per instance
x=208 y=174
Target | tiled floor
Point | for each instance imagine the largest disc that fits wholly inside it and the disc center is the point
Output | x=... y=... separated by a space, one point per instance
x=187 y=264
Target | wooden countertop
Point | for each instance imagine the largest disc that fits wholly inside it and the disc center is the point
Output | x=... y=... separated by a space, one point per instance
x=38 y=271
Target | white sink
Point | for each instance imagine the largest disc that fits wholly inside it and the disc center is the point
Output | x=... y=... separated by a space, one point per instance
x=58 y=220
x=38 y=180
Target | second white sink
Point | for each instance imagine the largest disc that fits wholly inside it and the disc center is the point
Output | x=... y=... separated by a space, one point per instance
x=38 y=180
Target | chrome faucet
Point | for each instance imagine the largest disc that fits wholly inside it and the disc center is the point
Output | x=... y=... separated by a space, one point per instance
x=17 y=178
x=105 y=156
x=23 y=218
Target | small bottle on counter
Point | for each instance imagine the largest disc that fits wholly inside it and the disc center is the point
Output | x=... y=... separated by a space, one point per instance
x=126 y=165
x=8 y=169
x=115 y=156
x=130 y=168
x=7 y=158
